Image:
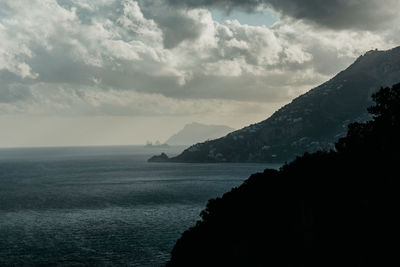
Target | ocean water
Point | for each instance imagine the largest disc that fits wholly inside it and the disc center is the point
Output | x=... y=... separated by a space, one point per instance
x=102 y=206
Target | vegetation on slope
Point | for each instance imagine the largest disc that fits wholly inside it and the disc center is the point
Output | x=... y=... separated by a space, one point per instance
x=336 y=208
x=311 y=122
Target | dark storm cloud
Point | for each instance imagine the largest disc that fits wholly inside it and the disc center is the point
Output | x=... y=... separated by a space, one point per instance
x=175 y=24
x=178 y=29
x=335 y=14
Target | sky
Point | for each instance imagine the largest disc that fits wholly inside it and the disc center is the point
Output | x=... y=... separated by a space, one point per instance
x=123 y=72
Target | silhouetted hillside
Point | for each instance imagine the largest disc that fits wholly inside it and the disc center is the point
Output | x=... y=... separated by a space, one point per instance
x=336 y=208
x=197 y=132
x=311 y=122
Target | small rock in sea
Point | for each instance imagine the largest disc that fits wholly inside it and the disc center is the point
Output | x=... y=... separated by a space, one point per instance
x=160 y=158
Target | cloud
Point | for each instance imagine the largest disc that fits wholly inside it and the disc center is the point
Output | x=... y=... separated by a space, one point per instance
x=12 y=53
x=177 y=25
x=121 y=57
x=65 y=101
x=335 y=14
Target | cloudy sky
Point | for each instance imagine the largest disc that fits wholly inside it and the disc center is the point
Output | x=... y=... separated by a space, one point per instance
x=115 y=72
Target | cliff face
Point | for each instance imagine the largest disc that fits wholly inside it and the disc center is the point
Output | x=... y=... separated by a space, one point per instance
x=310 y=122
x=333 y=208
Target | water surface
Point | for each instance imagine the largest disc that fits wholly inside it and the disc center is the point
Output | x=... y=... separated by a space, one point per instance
x=102 y=205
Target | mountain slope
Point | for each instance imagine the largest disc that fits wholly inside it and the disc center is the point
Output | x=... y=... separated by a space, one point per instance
x=310 y=122
x=334 y=208
x=197 y=132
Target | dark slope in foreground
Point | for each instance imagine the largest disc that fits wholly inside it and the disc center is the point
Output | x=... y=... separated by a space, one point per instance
x=324 y=209
x=311 y=122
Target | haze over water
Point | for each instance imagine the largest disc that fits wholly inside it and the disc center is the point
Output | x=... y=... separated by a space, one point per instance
x=102 y=205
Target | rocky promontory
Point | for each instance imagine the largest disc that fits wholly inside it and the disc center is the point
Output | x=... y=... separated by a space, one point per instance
x=160 y=158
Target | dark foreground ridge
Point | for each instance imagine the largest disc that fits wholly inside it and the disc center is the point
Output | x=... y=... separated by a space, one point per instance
x=311 y=122
x=336 y=208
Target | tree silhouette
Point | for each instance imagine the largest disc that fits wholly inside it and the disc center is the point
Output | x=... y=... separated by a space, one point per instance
x=336 y=208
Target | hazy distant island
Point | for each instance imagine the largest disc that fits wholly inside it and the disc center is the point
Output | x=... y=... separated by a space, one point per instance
x=311 y=122
x=330 y=208
x=196 y=132
x=156 y=144
x=190 y=134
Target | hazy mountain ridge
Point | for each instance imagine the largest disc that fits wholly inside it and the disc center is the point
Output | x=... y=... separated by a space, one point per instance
x=312 y=121
x=197 y=132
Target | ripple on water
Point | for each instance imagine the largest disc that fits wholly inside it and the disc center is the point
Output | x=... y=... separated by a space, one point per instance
x=101 y=206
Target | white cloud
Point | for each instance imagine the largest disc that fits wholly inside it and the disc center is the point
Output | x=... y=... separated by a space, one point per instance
x=146 y=57
x=12 y=52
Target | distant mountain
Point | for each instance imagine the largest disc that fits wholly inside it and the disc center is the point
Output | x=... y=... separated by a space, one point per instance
x=197 y=132
x=311 y=122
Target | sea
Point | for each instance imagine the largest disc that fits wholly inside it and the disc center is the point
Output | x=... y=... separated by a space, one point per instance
x=103 y=206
